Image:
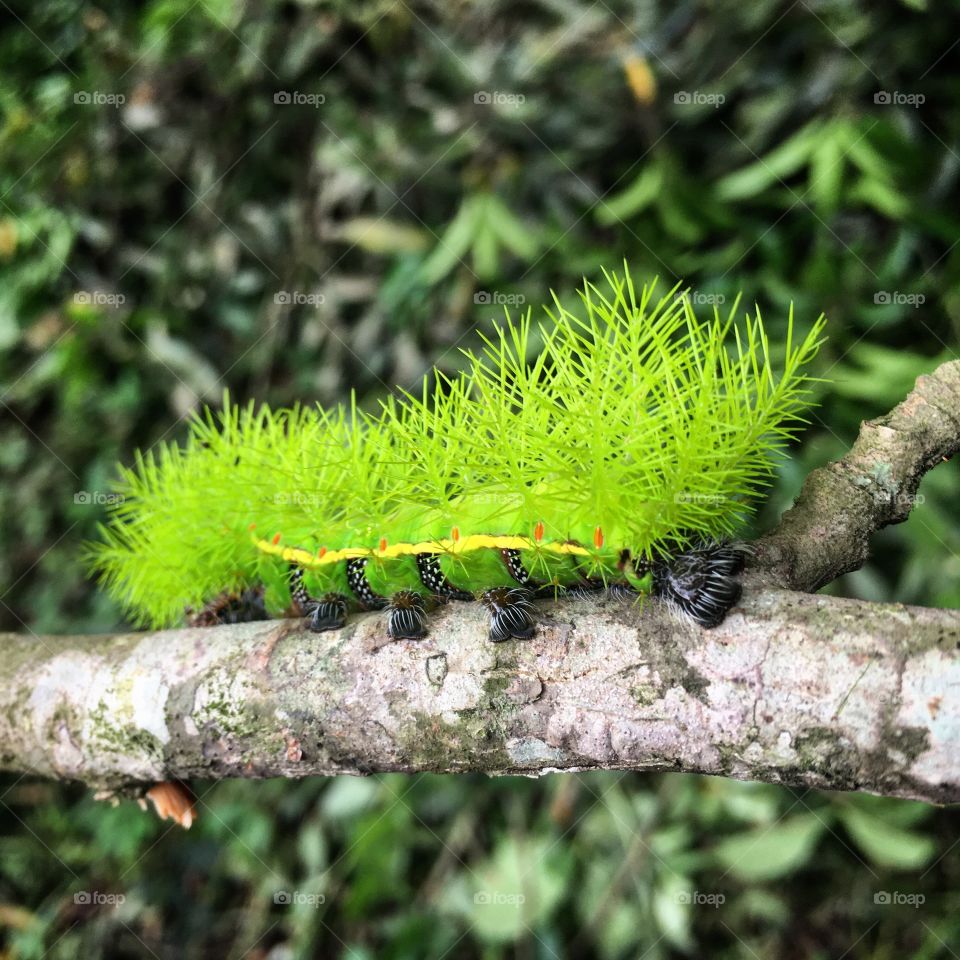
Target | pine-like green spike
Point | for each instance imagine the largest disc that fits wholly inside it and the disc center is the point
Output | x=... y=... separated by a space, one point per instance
x=635 y=418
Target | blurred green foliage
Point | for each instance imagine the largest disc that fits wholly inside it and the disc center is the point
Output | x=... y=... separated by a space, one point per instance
x=606 y=865
x=179 y=213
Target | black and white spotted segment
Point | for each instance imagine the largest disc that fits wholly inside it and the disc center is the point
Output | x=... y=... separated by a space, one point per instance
x=358 y=583
x=517 y=570
x=298 y=591
x=435 y=580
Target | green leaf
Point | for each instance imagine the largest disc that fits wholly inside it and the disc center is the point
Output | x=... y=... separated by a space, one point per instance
x=637 y=197
x=676 y=222
x=886 y=845
x=619 y=931
x=763 y=905
x=671 y=908
x=780 y=163
x=863 y=155
x=454 y=242
x=485 y=258
x=517 y=889
x=826 y=173
x=513 y=233
x=882 y=197
x=312 y=846
x=901 y=813
x=348 y=797
x=381 y=235
x=750 y=801
x=873 y=371
x=771 y=852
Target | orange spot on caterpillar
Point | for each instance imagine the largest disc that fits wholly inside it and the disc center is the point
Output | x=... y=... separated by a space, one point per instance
x=321 y=553
x=276 y=539
x=538 y=531
x=598 y=538
x=454 y=534
x=252 y=526
x=383 y=544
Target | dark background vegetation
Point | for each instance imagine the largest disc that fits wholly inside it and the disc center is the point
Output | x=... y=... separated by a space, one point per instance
x=152 y=253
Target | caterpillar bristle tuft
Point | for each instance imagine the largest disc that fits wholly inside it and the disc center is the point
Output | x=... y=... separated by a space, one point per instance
x=330 y=613
x=511 y=613
x=406 y=616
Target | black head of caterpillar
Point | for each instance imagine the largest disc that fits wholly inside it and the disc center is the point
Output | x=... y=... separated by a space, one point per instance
x=701 y=581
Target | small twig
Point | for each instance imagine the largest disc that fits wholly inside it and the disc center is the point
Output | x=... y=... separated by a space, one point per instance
x=827 y=531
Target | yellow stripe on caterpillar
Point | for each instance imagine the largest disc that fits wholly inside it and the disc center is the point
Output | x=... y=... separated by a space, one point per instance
x=477 y=541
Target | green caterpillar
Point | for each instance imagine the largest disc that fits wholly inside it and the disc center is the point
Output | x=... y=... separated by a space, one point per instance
x=615 y=445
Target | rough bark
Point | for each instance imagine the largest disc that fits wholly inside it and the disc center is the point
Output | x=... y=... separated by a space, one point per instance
x=827 y=532
x=792 y=688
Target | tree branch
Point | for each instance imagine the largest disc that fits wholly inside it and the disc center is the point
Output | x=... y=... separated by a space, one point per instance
x=827 y=532
x=792 y=688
